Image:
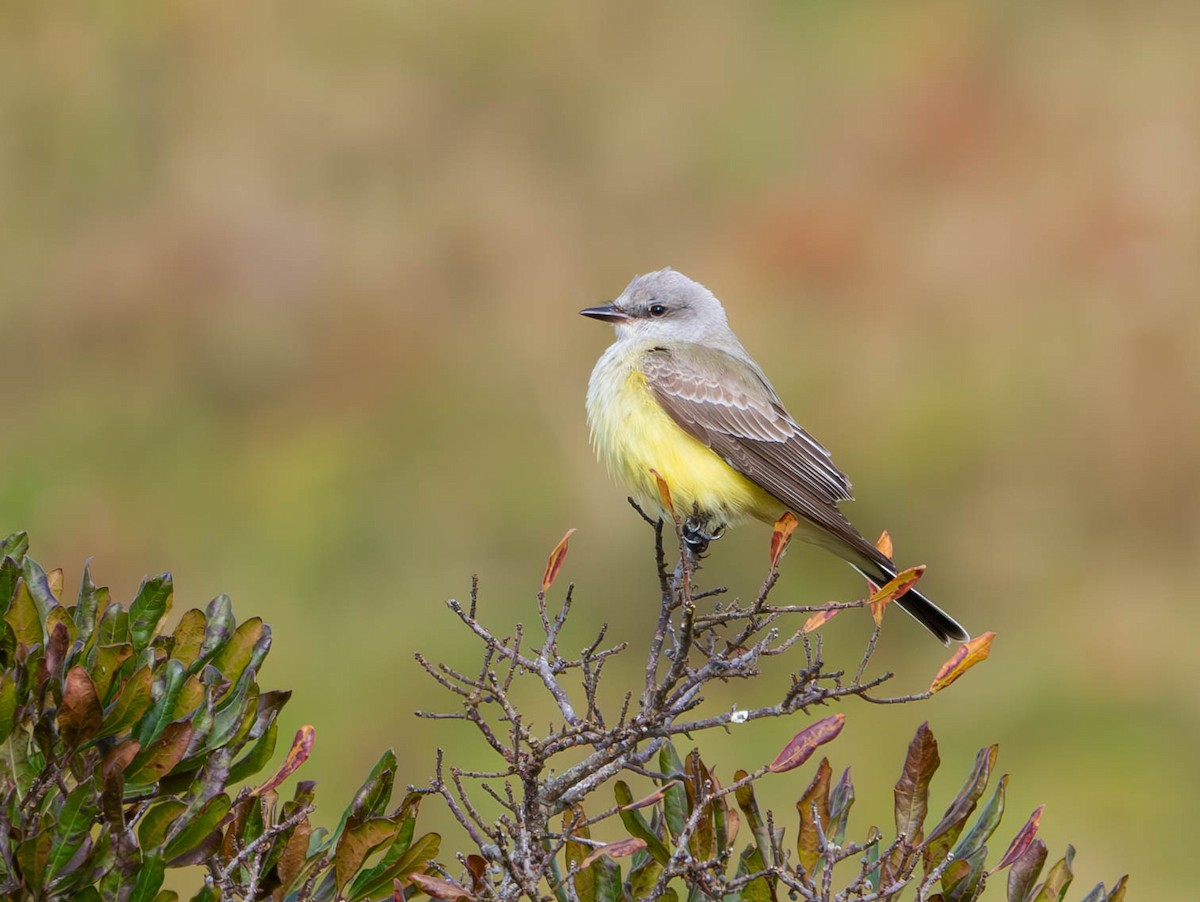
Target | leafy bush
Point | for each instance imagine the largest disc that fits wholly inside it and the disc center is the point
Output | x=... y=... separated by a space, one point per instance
x=119 y=747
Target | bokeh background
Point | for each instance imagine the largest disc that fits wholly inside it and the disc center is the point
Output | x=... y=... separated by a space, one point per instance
x=288 y=300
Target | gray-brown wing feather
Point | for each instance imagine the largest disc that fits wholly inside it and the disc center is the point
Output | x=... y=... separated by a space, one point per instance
x=728 y=404
x=725 y=403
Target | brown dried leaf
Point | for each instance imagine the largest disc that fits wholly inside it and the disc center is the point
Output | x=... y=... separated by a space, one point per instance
x=808 y=838
x=119 y=757
x=819 y=619
x=912 y=789
x=620 y=849
x=647 y=801
x=964 y=658
x=80 y=715
x=557 y=557
x=297 y=755
x=806 y=742
x=782 y=536
x=437 y=888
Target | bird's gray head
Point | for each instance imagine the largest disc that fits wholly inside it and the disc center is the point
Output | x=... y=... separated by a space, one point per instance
x=668 y=306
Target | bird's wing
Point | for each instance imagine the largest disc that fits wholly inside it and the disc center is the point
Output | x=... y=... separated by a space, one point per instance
x=726 y=403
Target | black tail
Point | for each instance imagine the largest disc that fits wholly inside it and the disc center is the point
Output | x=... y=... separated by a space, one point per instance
x=924 y=611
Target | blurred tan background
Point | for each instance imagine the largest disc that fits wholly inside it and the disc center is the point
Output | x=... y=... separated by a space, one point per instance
x=288 y=302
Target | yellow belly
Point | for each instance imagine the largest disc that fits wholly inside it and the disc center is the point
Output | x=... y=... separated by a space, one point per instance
x=633 y=435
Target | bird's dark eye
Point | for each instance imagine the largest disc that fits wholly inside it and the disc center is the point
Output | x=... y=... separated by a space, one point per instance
x=657 y=309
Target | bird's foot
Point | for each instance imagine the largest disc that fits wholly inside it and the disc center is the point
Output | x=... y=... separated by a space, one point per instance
x=696 y=536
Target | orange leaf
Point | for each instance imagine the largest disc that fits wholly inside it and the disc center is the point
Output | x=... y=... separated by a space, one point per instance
x=1023 y=839
x=656 y=796
x=436 y=888
x=891 y=590
x=964 y=658
x=806 y=742
x=782 y=536
x=664 y=492
x=621 y=849
x=554 y=564
x=885 y=544
x=819 y=619
x=297 y=755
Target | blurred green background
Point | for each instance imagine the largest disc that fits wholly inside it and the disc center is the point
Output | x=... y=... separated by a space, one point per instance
x=288 y=302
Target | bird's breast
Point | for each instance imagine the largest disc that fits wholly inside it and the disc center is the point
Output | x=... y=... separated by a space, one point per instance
x=633 y=434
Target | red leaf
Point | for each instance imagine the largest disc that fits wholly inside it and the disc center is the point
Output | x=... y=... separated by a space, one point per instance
x=621 y=849
x=806 y=742
x=297 y=755
x=664 y=492
x=819 y=619
x=554 y=564
x=964 y=658
x=782 y=536
x=436 y=888
x=1022 y=840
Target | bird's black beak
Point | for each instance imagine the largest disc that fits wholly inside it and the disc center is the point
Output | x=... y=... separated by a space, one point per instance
x=608 y=313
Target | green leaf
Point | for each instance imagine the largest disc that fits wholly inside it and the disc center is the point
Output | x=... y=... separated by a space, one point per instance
x=149 y=880
x=156 y=822
x=257 y=758
x=1058 y=880
x=961 y=879
x=39 y=587
x=87 y=605
x=636 y=824
x=132 y=703
x=10 y=573
x=148 y=608
x=356 y=843
x=675 y=810
x=754 y=820
x=113 y=628
x=947 y=830
x=87 y=894
x=218 y=628
x=696 y=780
x=759 y=889
x=372 y=797
x=912 y=789
x=33 y=855
x=840 y=801
x=234 y=657
x=989 y=818
x=1025 y=870
x=23 y=617
x=188 y=636
x=402 y=858
x=8 y=705
x=155 y=720
x=607 y=880
x=188 y=836
x=74 y=823
x=15 y=546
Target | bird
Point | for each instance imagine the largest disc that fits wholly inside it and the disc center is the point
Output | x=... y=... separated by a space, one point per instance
x=677 y=395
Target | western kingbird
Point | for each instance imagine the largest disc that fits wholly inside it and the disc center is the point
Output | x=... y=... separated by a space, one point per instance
x=678 y=394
